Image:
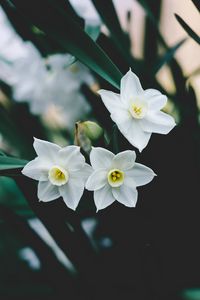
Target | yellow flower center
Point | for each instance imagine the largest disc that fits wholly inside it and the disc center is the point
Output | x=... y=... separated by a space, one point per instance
x=58 y=175
x=138 y=109
x=115 y=177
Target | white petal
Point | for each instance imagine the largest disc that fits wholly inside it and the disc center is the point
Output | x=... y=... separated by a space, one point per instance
x=124 y=160
x=130 y=86
x=101 y=158
x=37 y=169
x=121 y=116
x=47 y=191
x=46 y=150
x=141 y=174
x=155 y=99
x=135 y=134
x=158 y=122
x=71 y=158
x=83 y=173
x=103 y=197
x=126 y=195
x=72 y=192
x=97 y=180
x=129 y=180
x=111 y=100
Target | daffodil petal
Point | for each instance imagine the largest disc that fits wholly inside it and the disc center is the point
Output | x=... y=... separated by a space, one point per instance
x=130 y=86
x=100 y=158
x=158 y=122
x=83 y=173
x=155 y=99
x=129 y=181
x=72 y=192
x=47 y=192
x=111 y=100
x=71 y=158
x=126 y=195
x=103 y=197
x=36 y=169
x=141 y=174
x=135 y=134
x=97 y=180
x=46 y=150
x=121 y=116
x=124 y=160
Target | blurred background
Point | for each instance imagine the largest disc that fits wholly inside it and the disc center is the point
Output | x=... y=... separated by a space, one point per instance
x=47 y=91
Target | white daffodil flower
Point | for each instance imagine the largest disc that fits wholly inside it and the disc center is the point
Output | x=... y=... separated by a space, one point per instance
x=136 y=111
x=61 y=172
x=45 y=83
x=116 y=177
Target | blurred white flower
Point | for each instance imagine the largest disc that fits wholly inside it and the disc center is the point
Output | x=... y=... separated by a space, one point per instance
x=41 y=230
x=115 y=177
x=86 y=10
x=43 y=83
x=136 y=111
x=28 y=255
x=61 y=172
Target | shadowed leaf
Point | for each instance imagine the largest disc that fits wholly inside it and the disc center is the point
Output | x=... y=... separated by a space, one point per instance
x=188 y=29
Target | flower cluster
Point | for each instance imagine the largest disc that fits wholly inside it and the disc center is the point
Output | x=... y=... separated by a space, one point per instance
x=63 y=172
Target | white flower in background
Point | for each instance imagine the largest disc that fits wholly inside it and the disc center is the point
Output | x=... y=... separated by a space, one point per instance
x=61 y=172
x=86 y=10
x=136 y=111
x=116 y=177
x=43 y=83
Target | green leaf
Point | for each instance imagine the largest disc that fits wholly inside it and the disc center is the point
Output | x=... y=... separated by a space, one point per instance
x=187 y=28
x=166 y=58
x=191 y=294
x=8 y=163
x=92 y=31
x=62 y=29
x=197 y=4
x=109 y=16
x=11 y=196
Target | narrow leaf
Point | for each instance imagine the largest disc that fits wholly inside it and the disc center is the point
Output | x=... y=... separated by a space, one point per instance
x=109 y=16
x=70 y=36
x=166 y=58
x=7 y=163
x=197 y=4
x=187 y=28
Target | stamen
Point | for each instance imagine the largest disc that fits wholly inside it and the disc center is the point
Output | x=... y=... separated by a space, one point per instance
x=115 y=177
x=58 y=175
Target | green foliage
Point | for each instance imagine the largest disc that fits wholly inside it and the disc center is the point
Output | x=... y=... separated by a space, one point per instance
x=54 y=27
x=73 y=40
x=191 y=294
x=188 y=29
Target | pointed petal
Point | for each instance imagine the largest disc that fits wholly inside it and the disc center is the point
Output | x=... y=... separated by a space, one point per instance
x=72 y=192
x=121 y=116
x=46 y=150
x=124 y=160
x=101 y=158
x=158 y=122
x=126 y=195
x=141 y=174
x=129 y=180
x=47 y=191
x=130 y=86
x=155 y=99
x=36 y=169
x=97 y=180
x=103 y=197
x=111 y=100
x=135 y=134
x=71 y=158
x=83 y=173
